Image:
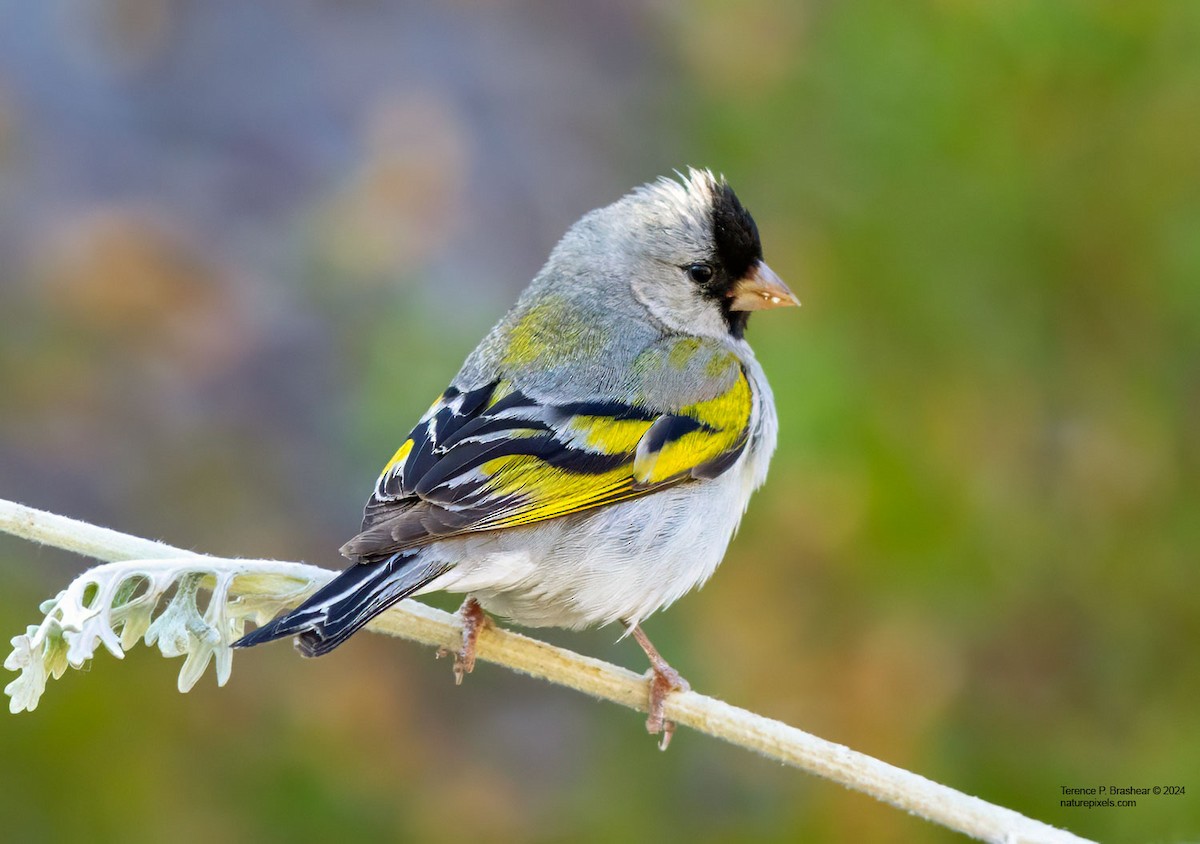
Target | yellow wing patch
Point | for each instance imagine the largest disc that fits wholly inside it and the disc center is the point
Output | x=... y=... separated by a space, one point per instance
x=728 y=412
x=399 y=457
x=527 y=462
x=548 y=491
x=606 y=435
x=544 y=491
x=724 y=420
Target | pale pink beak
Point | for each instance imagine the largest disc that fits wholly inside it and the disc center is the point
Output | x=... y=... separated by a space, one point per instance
x=760 y=289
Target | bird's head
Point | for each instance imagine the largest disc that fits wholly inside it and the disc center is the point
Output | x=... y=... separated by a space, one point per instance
x=690 y=251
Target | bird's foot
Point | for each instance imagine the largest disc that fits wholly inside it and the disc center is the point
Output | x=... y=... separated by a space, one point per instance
x=474 y=619
x=663 y=679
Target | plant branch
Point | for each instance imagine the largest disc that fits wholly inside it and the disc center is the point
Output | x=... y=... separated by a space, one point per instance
x=258 y=588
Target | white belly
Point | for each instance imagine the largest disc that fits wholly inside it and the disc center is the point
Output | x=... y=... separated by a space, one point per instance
x=621 y=562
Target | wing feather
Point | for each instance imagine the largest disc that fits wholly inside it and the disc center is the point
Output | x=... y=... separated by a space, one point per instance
x=493 y=457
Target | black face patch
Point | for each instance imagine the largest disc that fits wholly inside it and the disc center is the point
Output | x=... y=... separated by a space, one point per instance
x=735 y=233
x=738 y=250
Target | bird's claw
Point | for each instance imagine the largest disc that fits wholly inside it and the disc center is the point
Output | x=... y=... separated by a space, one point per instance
x=474 y=619
x=663 y=680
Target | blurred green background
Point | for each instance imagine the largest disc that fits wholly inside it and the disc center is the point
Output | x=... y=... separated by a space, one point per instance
x=242 y=245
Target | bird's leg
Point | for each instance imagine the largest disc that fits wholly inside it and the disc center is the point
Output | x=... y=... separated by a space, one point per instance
x=474 y=619
x=663 y=680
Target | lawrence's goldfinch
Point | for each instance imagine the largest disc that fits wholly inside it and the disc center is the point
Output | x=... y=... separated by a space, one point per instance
x=592 y=458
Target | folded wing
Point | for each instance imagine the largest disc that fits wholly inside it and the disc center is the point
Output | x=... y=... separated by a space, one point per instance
x=493 y=457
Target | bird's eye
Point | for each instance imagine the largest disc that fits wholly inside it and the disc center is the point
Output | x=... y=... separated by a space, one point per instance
x=700 y=273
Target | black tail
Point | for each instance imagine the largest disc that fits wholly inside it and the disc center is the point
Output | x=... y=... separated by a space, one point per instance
x=342 y=606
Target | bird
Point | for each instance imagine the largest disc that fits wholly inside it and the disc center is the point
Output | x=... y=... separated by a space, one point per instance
x=591 y=460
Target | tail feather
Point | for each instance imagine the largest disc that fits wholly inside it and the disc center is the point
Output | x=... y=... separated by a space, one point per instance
x=344 y=605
